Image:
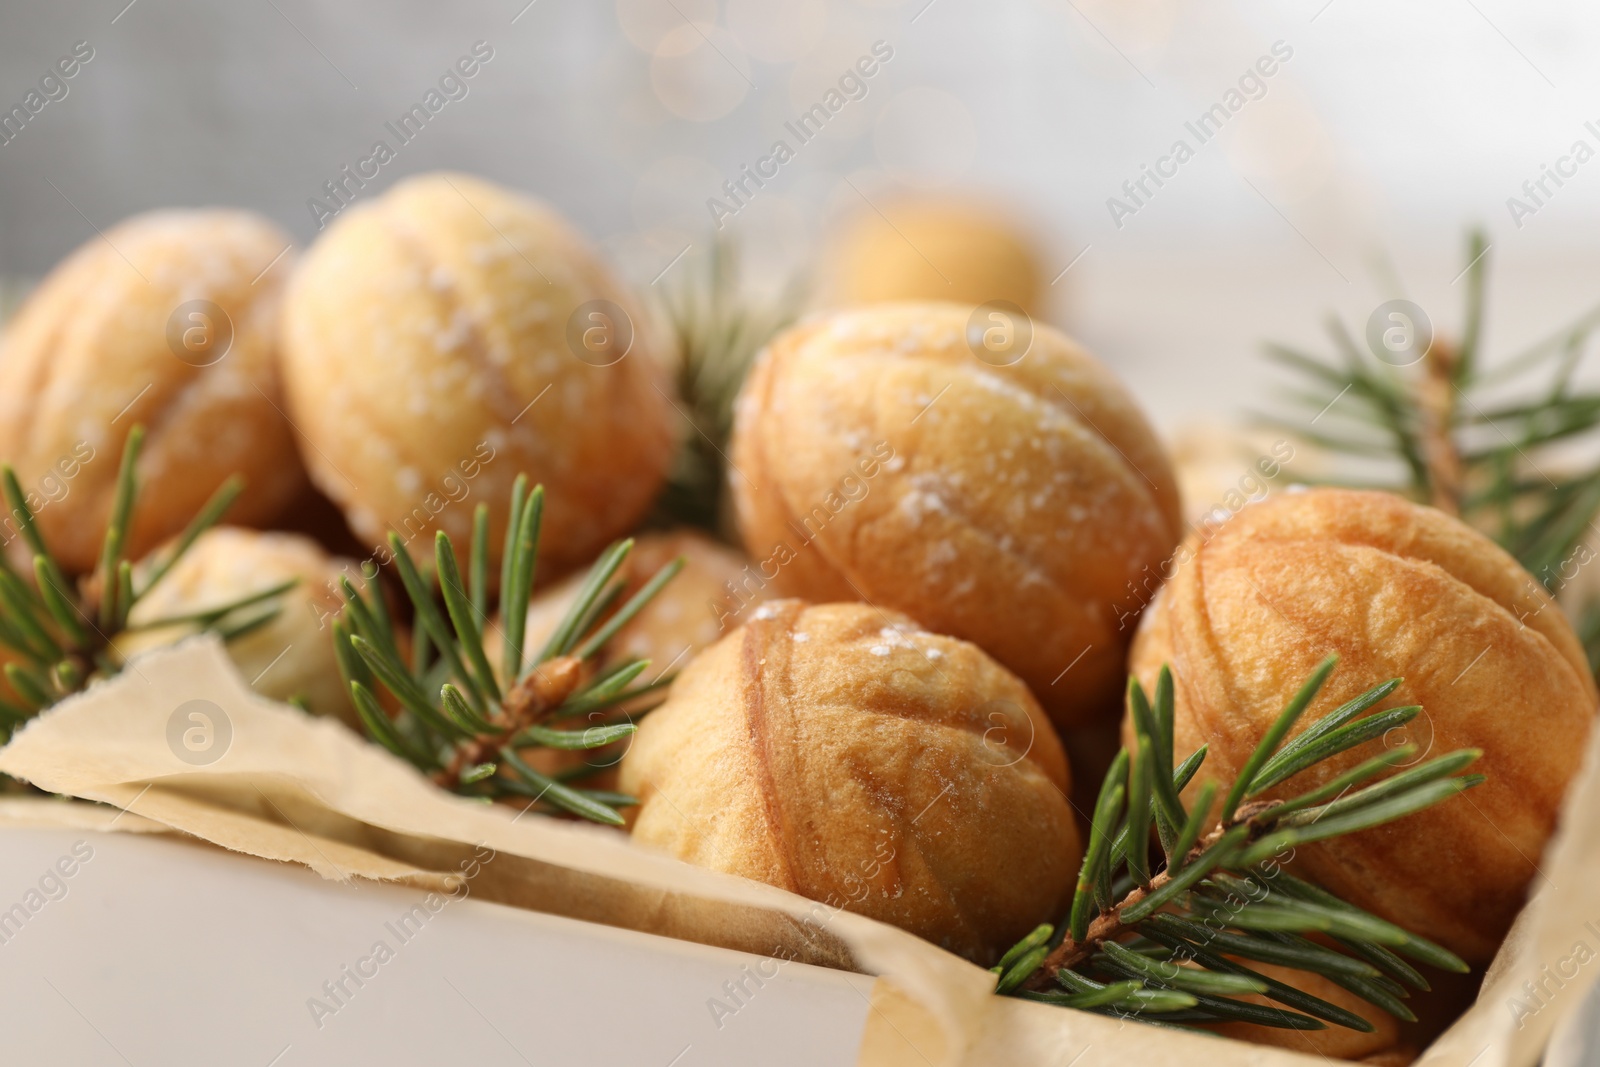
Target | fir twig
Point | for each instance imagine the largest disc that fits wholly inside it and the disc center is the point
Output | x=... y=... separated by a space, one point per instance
x=1170 y=946
x=1493 y=445
x=720 y=326
x=459 y=720
x=63 y=632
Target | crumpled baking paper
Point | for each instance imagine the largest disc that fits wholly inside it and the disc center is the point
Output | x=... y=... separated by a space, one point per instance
x=262 y=778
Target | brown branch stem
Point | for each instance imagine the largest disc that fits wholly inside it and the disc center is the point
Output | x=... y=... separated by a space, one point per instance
x=1436 y=400
x=543 y=690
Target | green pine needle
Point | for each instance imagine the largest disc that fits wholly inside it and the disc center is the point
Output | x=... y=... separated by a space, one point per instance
x=1114 y=993
x=1107 y=810
x=207 y=517
x=1274 y=736
x=28 y=685
x=431 y=622
x=57 y=597
x=1169 y=811
x=1041 y=935
x=478 y=562
x=1140 y=797
x=1193 y=827
x=570 y=800
x=26 y=618
x=232 y=629
x=461 y=713
x=585 y=606
x=117 y=528
x=1392 y=966
x=459 y=605
x=626 y=613
x=576 y=740
x=524 y=557
x=211 y=616
x=17 y=504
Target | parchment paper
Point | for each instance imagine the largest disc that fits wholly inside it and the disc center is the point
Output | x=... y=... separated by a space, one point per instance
x=303 y=790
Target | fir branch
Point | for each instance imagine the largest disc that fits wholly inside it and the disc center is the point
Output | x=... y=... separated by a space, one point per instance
x=457 y=719
x=720 y=326
x=1169 y=945
x=63 y=632
x=1493 y=445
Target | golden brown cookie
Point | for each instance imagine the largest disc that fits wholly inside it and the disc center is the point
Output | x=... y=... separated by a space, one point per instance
x=1397 y=590
x=844 y=754
x=169 y=320
x=877 y=458
x=933 y=248
x=450 y=335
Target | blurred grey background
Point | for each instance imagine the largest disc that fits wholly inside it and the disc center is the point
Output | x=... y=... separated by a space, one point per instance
x=1387 y=131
